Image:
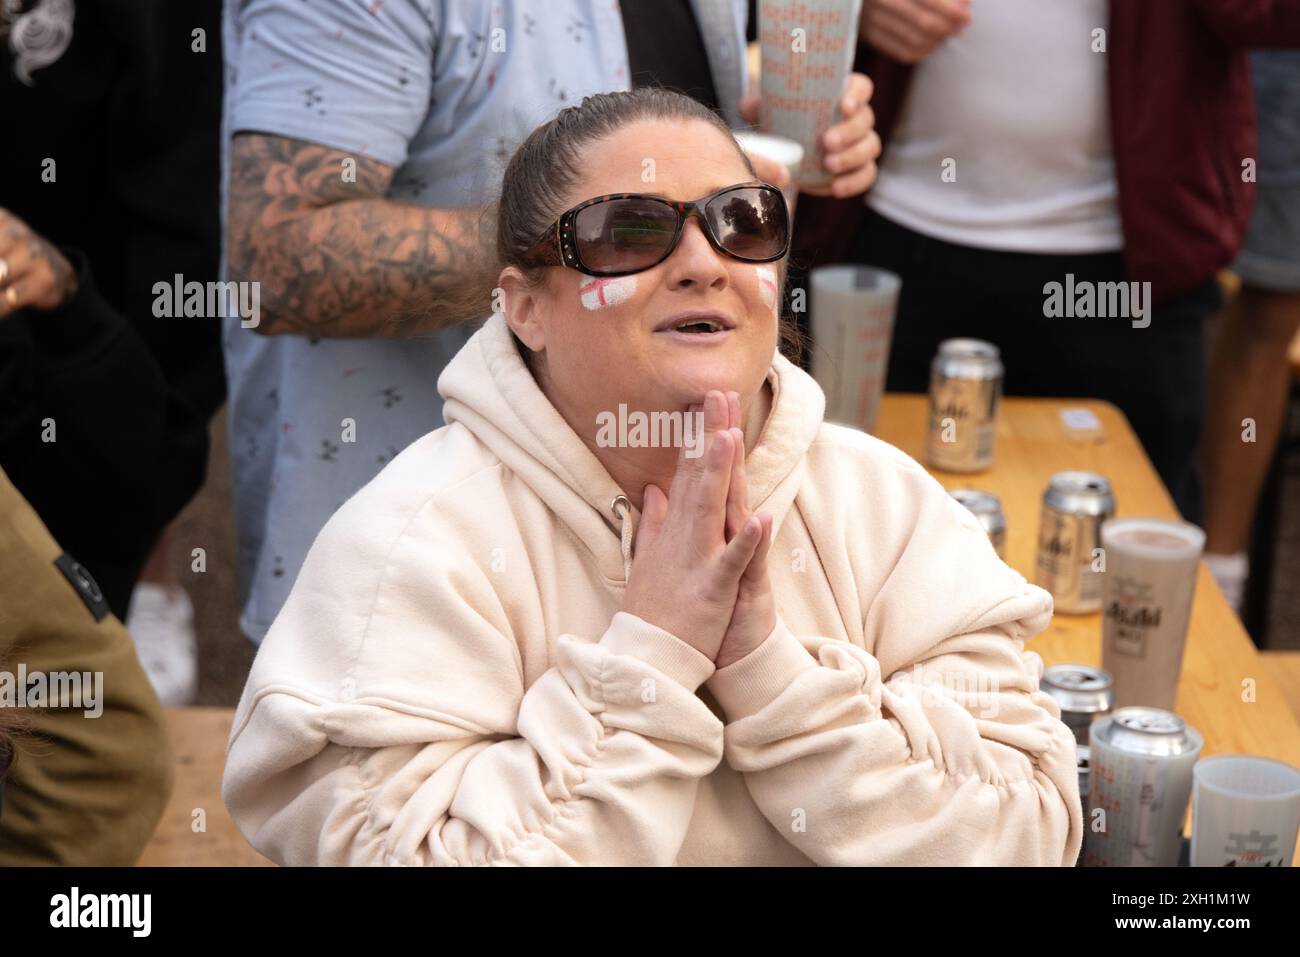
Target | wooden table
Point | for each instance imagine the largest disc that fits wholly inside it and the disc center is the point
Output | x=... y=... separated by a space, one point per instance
x=199 y=738
x=1285 y=667
x=1225 y=691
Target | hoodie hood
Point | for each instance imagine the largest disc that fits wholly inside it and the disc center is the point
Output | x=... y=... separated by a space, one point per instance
x=489 y=390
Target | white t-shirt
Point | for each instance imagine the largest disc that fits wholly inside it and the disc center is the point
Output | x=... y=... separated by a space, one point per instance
x=1004 y=139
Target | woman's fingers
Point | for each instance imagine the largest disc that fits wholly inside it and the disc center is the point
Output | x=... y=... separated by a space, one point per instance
x=654 y=509
x=737 y=500
x=687 y=463
x=707 y=505
x=737 y=492
x=757 y=567
x=700 y=500
x=740 y=551
x=712 y=412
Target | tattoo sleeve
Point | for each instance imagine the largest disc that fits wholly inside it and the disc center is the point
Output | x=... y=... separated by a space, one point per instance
x=334 y=257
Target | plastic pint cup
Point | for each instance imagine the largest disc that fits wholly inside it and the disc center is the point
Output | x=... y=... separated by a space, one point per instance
x=852 y=320
x=1147 y=592
x=807 y=52
x=1245 y=812
x=779 y=149
x=1142 y=760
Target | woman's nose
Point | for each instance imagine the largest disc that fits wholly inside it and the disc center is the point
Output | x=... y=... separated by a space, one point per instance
x=695 y=260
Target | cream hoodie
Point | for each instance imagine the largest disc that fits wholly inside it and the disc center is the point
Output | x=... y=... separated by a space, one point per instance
x=452 y=680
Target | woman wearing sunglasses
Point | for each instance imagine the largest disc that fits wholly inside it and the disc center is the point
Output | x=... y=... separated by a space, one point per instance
x=539 y=639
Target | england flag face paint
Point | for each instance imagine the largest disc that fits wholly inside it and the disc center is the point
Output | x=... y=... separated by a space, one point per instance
x=767 y=285
x=603 y=293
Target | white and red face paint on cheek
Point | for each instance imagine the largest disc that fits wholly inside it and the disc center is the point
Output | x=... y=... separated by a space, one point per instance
x=603 y=293
x=767 y=285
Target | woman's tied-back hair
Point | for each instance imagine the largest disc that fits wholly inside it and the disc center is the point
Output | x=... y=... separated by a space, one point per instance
x=551 y=161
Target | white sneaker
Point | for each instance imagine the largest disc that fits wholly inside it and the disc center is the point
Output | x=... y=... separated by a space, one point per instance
x=161 y=621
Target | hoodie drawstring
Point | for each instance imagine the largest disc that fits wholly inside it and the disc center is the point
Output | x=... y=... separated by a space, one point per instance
x=625 y=515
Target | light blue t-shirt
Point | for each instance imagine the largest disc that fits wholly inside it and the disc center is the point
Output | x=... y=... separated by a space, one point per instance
x=442 y=90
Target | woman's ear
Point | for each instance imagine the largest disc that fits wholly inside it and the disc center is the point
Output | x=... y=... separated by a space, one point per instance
x=520 y=304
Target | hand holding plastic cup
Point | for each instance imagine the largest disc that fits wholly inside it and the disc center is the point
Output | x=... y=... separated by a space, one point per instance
x=852 y=322
x=807 y=53
x=1245 y=812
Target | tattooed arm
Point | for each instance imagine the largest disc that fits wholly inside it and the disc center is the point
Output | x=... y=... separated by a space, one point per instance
x=338 y=259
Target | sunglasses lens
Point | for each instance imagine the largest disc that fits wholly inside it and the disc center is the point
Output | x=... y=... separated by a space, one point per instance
x=750 y=223
x=624 y=234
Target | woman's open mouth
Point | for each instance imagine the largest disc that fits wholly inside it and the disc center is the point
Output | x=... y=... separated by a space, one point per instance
x=697 y=327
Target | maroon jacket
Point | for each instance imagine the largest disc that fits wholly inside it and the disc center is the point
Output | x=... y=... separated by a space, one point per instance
x=1182 y=121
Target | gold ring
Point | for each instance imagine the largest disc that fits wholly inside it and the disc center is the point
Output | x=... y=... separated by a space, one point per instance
x=11 y=297
x=4 y=271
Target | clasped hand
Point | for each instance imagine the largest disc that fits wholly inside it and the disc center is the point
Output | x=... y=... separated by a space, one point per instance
x=699 y=568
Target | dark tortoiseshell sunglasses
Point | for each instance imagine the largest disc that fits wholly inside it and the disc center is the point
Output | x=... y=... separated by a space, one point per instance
x=625 y=233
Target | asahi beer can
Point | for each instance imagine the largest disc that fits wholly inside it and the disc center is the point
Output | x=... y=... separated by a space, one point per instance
x=1069 y=539
x=965 y=388
x=1141 y=778
x=987 y=509
x=1082 y=691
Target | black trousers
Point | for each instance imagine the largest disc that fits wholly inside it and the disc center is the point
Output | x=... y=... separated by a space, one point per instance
x=1155 y=375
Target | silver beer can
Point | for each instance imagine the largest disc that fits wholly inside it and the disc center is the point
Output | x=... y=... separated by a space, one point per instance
x=1069 y=537
x=1141 y=780
x=1083 y=692
x=965 y=388
x=987 y=509
x=1083 y=761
